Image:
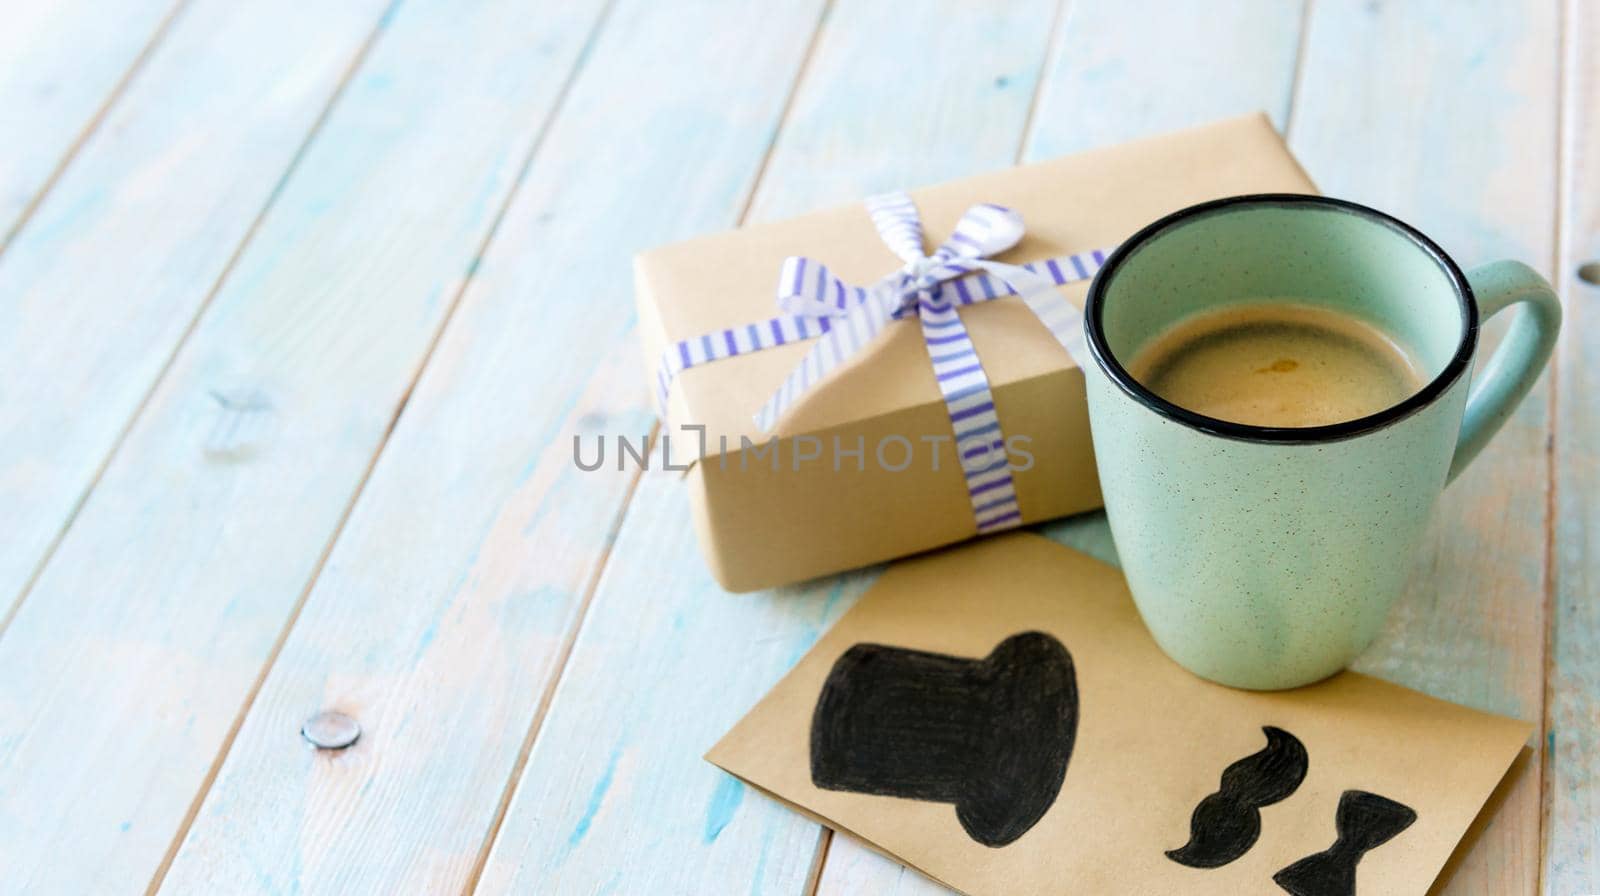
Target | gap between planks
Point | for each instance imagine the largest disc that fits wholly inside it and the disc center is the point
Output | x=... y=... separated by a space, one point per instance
x=548 y=694
x=814 y=878
x=1052 y=51
x=1568 y=72
x=1298 y=69
x=93 y=124
x=556 y=106
x=570 y=638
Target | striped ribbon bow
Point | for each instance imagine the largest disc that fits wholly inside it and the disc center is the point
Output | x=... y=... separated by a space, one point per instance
x=846 y=318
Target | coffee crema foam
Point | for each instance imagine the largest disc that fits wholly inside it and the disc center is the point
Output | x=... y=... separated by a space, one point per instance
x=1277 y=363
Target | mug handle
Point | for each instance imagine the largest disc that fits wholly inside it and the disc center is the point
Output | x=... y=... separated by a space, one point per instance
x=1515 y=365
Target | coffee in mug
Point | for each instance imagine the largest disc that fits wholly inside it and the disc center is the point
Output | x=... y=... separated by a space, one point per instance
x=1278 y=363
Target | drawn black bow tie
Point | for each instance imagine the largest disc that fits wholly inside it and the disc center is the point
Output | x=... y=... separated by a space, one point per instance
x=1364 y=821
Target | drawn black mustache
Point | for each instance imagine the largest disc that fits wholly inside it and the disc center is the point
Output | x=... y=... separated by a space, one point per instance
x=1226 y=824
x=1364 y=821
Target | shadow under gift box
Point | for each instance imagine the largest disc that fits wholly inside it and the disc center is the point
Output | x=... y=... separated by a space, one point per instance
x=773 y=514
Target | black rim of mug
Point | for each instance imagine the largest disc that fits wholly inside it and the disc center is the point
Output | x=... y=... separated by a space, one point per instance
x=1103 y=356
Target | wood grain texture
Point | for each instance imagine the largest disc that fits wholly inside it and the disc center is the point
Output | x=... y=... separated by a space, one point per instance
x=442 y=615
x=124 y=672
x=1123 y=70
x=958 y=77
x=614 y=795
x=1572 y=736
x=100 y=287
x=1448 y=121
x=65 y=61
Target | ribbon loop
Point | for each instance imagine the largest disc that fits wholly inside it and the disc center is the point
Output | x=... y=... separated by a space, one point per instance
x=898 y=224
x=983 y=231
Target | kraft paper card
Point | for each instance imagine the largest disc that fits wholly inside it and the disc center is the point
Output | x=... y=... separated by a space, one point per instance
x=998 y=717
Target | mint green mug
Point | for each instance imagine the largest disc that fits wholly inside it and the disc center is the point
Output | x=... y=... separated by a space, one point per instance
x=1268 y=557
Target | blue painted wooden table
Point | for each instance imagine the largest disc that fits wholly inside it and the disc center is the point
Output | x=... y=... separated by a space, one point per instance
x=301 y=305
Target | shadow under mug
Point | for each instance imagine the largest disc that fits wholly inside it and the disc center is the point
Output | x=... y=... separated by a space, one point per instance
x=1268 y=557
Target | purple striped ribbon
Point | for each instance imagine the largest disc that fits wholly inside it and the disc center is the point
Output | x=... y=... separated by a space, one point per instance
x=843 y=319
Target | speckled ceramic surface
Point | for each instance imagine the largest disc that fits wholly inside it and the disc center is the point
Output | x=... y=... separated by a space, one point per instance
x=1268 y=557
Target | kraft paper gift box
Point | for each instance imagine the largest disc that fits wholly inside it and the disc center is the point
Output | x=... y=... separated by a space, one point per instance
x=863 y=468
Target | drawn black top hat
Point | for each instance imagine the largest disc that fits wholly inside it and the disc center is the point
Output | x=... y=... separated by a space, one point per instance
x=992 y=736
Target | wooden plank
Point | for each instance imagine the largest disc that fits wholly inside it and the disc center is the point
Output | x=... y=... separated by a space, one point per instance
x=446 y=606
x=1122 y=71
x=1572 y=713
x=614 y=795
x=1128 y=69
x=98 y=290
x=857 y=126
x=1448 y=120
x=66 y=61
x=125 y=671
